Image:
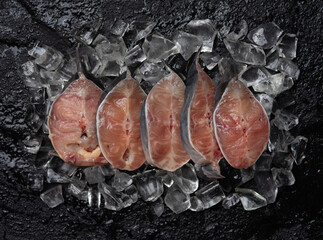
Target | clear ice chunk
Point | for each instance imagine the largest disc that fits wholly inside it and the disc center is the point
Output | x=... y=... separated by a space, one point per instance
x=266 y=102
x=33 y=120
x=298 y=147
x=279 y=140
x=93 y=175
x=253 y=75
x=42 y=158
x=135 y=56
x=177 y=200
x=36 y=95
x=119 y=28
x=245 y=52
x=246 y=175
x=264 y=162
x=283 y=177
x=287 y=83
x=141 y=29
x=78 y=191
x=67 y=169
x=210 y=59
x=87 y=32
x=265 y=35
x=107 y=170
x=91 y=60
x=31 y=74
x=32 y=143
x=230 y=68
x=272 y=60
x=121 y=180
x=149 y=187
x=210 y=172
x=54 y=177
x=250 y=199
x=266 y=186
x=158 y=207
x=53 y=91
x=187 y=43
x=210 y=194
x=47 y=57
x=53 y=196
x=231 y=200
x=204 y=29
x=166 y=179
x=35 y=181
x=287 y=46
x=273 y=85
x=196 y=204
x=132 y=192
x=239 y=32
x=285 y=120
x=288 y=67
x=158 y=48
x=152 y=72
x=113 y=199
x=185 y=178
x=283 y=160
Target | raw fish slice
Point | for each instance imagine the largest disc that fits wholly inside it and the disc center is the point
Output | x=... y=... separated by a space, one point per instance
x=197 y=131
x=241 y=125
x=160 y=124
x=71 y=123
x=118 y=125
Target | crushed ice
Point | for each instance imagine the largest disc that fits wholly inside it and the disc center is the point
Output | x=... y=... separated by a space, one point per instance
x=263 y=63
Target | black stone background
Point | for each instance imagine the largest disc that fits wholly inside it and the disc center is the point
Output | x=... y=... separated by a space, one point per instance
x=297 y=213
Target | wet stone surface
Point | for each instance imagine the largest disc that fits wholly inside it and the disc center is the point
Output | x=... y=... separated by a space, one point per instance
x=297 y=211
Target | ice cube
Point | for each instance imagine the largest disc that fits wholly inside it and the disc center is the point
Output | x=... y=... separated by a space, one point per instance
x=272 y=85
x=152 y=72
x=54 y=177
x=36 y=95
x=288 y=67
x=231 y=200
x=210 y=172
x=266 y=186
x=185 y=178
x=298 y=147
x=121 y=180
x=53 y=196
x=187 y=43
x=246 y=175
x=158 y=48
x=272 y=60
x=178 y=64
x=31 y=75
x=245 y=52
x=264 y=162
x=113 y=199
x=149 y=187
x=250 y=199
x=210 y=59
x=78 y=191
x=141 y=29
x=254 y=75
x=87 y=32
x=196 y=204
x=165 y=177
x=33 y=120
x=204 y=29
x=285 y=120
x=53 y=91
x=210 y=194
x=119 y=28
x=135 y=56
x=32 y=143
x=90 y=58
x=239 y=32
x=287 y=83
x=158 y=207
x=67 y=169
x=107 y=170
x=47 y=57
x=279 y=140
x=93 y=175
x=35 y=181
x=266 y=102
x=132 y=192
x=283 y=160
x=42 y=158
x=283 y=177
x=229 y=68
x=265 y=35
x=94 y=197
x=176 y=200
x=224 y=30
x=287 y=46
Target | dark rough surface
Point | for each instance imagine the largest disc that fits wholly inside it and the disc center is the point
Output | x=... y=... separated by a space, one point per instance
x=298 y=212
